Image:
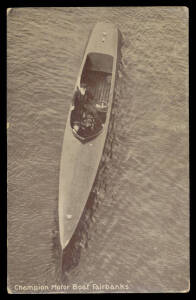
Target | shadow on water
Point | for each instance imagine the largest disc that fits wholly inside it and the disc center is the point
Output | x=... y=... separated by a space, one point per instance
x=56 y=247
x=70 y=257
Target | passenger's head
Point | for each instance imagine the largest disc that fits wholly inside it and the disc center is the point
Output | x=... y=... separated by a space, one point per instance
x=82 y=88
x=76 y=127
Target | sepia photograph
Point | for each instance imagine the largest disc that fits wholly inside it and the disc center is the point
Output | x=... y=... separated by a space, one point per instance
x=98 y=150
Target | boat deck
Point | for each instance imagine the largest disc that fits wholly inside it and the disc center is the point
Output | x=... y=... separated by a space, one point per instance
x=99 y=83
x=80 y=160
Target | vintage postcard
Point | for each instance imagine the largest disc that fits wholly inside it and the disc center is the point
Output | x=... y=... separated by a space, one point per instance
x=98 y=150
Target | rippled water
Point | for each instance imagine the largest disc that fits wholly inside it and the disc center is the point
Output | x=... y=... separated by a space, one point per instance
x=135 y=228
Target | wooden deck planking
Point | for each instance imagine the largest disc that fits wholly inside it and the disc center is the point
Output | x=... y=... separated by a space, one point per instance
x=99 y=85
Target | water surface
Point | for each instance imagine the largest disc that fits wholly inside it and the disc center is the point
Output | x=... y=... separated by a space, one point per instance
x=135 y=229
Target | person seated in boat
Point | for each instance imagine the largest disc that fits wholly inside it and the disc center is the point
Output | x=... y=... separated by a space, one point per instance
x=88 y=97
x=78 y=105
x=85 y=110
x=89 y=105
x=91 y=110
x=88 y=122
x=78 y=99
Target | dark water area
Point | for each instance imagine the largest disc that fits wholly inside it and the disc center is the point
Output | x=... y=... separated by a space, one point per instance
x=135 y=228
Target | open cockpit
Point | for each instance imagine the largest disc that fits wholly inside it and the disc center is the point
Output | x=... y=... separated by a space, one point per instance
x=91 y=98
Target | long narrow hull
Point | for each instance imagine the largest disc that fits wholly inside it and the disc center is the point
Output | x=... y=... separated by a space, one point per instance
x=80 y=161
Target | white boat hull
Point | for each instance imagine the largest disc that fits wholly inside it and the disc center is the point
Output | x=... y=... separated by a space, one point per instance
x=80 y=161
